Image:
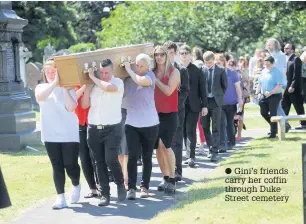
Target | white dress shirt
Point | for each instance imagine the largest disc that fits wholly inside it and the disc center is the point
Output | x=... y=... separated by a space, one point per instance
x=105 y=107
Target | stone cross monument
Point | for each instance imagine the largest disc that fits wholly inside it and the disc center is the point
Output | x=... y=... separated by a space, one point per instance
x=25 y=55
x=17 y=120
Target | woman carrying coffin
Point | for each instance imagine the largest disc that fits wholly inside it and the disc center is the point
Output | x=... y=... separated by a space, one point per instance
x=141 y=126
x=59 y=132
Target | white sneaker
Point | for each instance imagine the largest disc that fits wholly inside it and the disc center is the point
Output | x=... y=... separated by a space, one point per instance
x=75 y=194
x=60 y=202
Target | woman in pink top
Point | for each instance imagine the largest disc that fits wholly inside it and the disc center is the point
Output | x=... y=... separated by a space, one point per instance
x=166 y=101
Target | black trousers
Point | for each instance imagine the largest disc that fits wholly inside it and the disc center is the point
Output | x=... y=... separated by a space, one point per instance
x=268 y=109
x=64 y=156
x=214 y=117
x=227 y=129
x=177 y=143
x=4 y=196
x=87 y=163
x=297 y=100
x=104 y=142
x=140 y=140
x=190 y=131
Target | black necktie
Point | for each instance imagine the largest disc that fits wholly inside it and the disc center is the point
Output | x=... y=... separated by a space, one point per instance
x=209 y=80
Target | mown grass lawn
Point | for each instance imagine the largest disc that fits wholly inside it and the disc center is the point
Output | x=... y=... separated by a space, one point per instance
x=28 y=176
x=205 y=201
x=253 y=119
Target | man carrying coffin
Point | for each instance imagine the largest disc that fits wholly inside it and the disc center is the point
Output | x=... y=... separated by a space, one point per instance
x=104 y=128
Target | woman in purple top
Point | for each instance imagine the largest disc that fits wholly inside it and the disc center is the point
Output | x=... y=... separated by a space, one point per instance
x=142 y=123
x=232 y=96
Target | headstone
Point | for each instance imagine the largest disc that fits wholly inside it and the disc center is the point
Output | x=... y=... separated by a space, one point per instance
x=33 y=77
x=25 y=55
x=17 y=119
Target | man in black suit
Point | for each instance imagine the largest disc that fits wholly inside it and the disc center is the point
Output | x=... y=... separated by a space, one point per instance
x=293 y=93
x=177 y=144
x=196 y=102
x=216 y=80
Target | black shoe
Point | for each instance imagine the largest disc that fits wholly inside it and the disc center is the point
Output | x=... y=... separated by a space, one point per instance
x=287 y=127
x=191 y=162
x=170 y=188
x=91 y=195
x=214 y=157
x=302 y=127
x=186 y=161
x=272 y=136
x=121 y=192
x=178 y=177
x=222 y=150
x=104 y=201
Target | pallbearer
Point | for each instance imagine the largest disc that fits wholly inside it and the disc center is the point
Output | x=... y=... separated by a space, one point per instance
x=59 y=132
x=88 y=167
x=141 y=125
x=104 y=127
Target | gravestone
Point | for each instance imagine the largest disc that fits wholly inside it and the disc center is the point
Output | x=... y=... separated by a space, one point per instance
x=25 y=55
x=17 y=119
x=34 y=77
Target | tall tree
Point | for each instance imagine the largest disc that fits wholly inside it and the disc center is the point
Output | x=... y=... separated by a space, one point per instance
x=48 y=22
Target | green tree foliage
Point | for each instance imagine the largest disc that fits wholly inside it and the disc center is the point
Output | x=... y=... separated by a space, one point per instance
x=81 y=47
x=218 y=26
x=48 y=22
x=88 y=18
x=62 y=24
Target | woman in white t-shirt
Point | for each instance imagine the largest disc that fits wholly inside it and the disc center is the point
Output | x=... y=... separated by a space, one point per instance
x=59 y=132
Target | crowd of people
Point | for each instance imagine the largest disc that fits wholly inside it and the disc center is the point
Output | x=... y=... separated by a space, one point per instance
x=112 y=123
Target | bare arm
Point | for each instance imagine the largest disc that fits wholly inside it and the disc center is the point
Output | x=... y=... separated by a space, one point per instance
x=139 y=80
x=80 y=91
x=70 y=103
x=106 y=86
x=85 y=101
x=173 y=83
x=42 y=92
x=239 y=92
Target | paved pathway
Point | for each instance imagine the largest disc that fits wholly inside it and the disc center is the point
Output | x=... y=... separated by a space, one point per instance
x=129 y=212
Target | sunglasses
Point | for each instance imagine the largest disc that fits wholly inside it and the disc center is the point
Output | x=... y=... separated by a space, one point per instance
x=159 y=54
x=184 y=53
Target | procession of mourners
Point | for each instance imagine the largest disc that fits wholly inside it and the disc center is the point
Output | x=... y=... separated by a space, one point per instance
x=173 y=94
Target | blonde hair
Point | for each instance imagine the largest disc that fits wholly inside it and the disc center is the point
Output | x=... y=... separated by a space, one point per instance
x=277 y=46
x=146 y=58
x=303 y=57
x=168 y=64
x=49 y=61
x=208 y=55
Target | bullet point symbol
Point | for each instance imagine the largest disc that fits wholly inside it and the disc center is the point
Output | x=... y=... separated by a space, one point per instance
x=228 y=170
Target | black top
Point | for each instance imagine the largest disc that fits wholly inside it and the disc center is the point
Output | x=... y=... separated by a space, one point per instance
x=184 y=86
x=293 y=73
x=197 y=97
